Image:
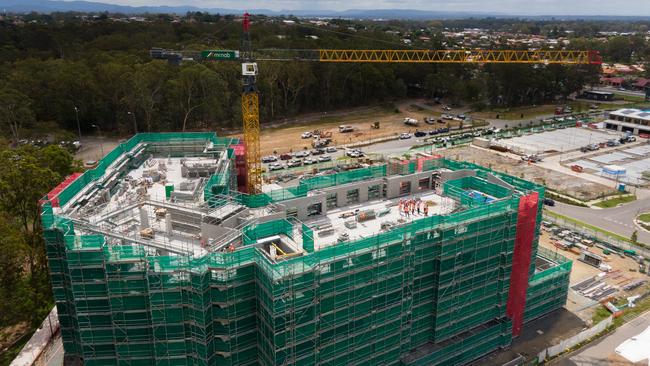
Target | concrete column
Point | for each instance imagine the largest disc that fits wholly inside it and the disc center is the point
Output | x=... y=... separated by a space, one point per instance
x=273 y=252
x=168 y=223
x=144 y=218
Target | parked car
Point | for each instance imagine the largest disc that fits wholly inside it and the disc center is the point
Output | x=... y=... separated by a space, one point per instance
x=447 y=116
x=410 y=121
x=462 y=116
x=269 y=159
x=446 y=108
x=306 y=135
x=549 y=202
x=325 y=158
x=318 y=152
x=331 y=149
x=275 y=166
x=345 y=128
x=420 y=133
x=405 y=136
x=433 y=132
x=285 y=156
x=301 y=154
x=429 y=120
x=309 y=161
x=294 y=163
x=443 y=130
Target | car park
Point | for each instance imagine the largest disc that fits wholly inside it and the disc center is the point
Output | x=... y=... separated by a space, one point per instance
x=269 y=159
x=405 y=136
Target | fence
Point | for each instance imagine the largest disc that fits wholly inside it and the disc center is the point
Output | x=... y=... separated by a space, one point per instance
x=575 y=340
x=597 y=235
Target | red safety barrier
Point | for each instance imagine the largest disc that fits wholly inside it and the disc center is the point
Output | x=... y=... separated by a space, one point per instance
x=644 y=135
x=521 y=259
x=53 y=195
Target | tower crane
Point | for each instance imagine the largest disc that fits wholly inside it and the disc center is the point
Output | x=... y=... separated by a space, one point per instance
x=250 y=97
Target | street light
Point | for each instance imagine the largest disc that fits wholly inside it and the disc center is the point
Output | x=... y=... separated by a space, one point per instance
x=135 y=124
x=76 y=112
x=101 y=144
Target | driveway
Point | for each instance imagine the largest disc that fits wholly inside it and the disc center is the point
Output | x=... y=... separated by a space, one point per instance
x=601 y=353
x=619 y=220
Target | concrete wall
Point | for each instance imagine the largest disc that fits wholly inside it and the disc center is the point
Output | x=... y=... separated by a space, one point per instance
x=392 y=191
x=393 y=183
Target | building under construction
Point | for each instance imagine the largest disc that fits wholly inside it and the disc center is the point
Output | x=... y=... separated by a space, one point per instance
x=156 y=258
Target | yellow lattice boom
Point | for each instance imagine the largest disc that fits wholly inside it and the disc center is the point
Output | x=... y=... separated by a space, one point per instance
x=251 y=117
x=461 y=56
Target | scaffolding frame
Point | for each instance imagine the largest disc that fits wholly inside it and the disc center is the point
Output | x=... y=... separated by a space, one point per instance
x=430 y=292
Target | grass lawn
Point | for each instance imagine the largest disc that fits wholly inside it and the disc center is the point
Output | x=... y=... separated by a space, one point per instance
x=613 y=202
x=546 y=109
x=645 y=217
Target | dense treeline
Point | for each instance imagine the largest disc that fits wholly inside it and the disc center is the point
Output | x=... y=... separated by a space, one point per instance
x=100 y=71
x=26 y=175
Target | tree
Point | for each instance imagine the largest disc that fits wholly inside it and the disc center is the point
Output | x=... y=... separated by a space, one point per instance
x=15 y=111
x=26 y=175
x=635 y=237
x=146 y=90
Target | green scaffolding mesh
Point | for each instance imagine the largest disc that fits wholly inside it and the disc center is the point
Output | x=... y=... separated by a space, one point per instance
x=432 y=292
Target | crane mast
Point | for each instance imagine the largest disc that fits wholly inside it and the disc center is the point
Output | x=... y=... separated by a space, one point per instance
x=250 y=112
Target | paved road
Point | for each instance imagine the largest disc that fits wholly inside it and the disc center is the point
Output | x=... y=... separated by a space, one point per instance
x=618 y=220
x=602 y=352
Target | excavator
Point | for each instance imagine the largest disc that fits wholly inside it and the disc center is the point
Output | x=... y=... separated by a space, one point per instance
x=249 y=67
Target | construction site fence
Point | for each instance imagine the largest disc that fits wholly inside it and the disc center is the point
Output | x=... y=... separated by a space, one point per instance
x=569 y=343
x=597 y=235
x=124 y=148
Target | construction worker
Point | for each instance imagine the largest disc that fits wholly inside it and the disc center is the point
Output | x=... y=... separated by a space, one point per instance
x=426 y=210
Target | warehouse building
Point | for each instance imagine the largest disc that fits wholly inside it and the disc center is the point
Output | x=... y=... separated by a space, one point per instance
x=156 y=258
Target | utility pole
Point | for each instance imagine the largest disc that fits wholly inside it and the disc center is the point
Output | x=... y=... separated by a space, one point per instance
x=101 y=143
x=135 y=124
x=76 y=112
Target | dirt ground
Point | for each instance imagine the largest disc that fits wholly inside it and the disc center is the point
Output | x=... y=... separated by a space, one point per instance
x=283 y=138
x=579 y=188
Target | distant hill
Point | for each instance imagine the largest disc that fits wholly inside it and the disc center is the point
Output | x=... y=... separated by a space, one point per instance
x=48 y=6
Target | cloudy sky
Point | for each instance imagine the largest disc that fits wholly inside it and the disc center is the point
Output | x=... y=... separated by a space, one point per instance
x=525 y=7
